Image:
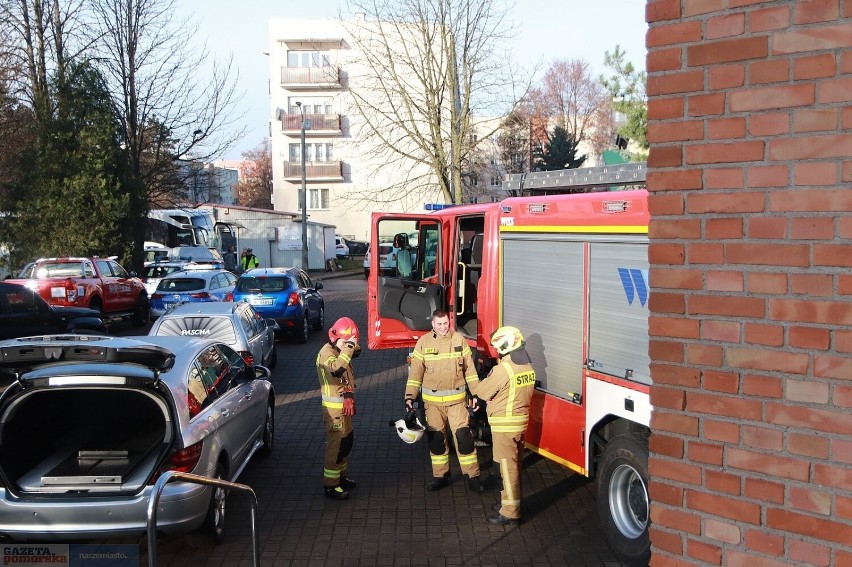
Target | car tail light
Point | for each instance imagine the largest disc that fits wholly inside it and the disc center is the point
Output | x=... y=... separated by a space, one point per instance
x=229 y=296
x=247 y=356
x=183 y=460
x=200 y=295
x=70 y=290
x=293 y=299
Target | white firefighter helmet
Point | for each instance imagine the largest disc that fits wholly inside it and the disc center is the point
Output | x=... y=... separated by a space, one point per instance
x=507 y=339
x=410 y=431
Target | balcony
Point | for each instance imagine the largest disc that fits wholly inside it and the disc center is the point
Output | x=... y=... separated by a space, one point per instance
x=295 y=78
x=314 y=171
x=321 y=124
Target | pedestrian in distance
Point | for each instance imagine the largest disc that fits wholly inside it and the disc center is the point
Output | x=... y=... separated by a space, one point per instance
x=507 y=391
x=249 y=261
x=337 y=386
x=442 y=373
x=230 y=259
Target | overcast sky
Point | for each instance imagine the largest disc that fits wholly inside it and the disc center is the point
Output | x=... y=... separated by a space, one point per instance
x=576 y=29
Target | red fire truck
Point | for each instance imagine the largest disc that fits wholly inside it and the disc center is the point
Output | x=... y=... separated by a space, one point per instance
x=571 y=272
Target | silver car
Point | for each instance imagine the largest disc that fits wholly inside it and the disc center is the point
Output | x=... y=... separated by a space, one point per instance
x=91 y=422
x=238 y=325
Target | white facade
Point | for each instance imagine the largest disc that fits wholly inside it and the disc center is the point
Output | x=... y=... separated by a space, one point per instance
x=311 y=63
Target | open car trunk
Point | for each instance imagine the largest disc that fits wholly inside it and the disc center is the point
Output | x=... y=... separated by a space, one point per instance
x=71 y=440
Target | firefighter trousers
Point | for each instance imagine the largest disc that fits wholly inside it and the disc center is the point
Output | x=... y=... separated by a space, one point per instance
x=438 y=417
x=338 y=444
x=508 y=449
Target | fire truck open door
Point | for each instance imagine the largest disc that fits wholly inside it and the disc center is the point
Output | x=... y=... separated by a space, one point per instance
x=407 y=285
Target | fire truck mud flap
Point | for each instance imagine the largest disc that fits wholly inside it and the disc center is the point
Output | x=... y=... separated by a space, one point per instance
x=623 y=505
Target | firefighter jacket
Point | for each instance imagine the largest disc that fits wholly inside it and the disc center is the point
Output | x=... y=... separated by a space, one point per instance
x=508 y=390
x=442 y=368
x=336 y=376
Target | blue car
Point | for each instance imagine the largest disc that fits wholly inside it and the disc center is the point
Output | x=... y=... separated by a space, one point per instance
x=287 y=295
x=190 y=287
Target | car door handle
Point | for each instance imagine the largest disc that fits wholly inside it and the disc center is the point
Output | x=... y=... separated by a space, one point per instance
x=225 y=412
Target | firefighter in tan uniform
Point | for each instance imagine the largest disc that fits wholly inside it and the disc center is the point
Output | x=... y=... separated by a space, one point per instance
x=442 y=371
x=337 y=385
x=507 y=392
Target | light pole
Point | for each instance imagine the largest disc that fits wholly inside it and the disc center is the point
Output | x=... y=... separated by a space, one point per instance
x=304 y=193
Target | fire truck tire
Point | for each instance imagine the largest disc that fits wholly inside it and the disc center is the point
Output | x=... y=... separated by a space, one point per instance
x=623 y=498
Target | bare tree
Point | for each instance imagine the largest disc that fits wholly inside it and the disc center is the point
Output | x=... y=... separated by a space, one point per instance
x=255 y=187
x=431 y=79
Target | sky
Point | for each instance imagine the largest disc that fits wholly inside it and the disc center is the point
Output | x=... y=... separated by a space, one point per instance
x=576 y=29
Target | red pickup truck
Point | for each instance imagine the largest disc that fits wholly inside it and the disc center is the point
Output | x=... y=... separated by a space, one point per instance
x=97 y=283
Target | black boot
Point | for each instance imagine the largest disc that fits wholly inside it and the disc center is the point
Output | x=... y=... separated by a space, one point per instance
x=501 y=520
x=475 y=485
x=438 y=483
x=336 y=493
x=346 y=483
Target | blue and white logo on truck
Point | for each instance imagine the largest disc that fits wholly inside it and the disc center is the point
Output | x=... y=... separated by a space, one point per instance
x=635 y=283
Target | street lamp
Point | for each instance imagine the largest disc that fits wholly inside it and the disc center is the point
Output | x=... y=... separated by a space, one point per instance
x=306 y=125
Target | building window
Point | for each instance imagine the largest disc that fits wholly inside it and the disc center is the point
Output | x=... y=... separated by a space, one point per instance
x=317 y=199
x=316 y=153
x=308 y=59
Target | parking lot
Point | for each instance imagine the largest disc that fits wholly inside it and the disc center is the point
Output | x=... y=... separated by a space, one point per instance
x=390 y=519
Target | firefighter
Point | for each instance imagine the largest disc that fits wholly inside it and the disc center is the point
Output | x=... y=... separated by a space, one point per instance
x=337 y=385
x=442 y=371
x=249 y=260
x=507 y=392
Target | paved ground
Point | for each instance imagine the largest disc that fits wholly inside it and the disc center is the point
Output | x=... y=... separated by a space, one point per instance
x=390 y=520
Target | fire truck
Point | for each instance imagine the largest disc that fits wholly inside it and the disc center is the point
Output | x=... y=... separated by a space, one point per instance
x=571 y=272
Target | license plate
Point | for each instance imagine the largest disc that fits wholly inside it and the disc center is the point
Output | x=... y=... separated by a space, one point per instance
x=262 y=301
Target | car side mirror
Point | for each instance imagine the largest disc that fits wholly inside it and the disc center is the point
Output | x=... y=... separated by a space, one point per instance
x=274 y=324
x=133 y=274
x=262 y=373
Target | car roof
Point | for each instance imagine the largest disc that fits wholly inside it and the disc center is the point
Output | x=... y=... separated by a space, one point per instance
x=271 y=272
x=204 y=308
x=197 y=274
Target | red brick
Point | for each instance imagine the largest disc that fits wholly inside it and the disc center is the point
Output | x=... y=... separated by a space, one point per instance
x=716 y=381
x=820 y=285
x=724 y=178
x=807 y=391
x=723 y=506
x=809 y=500
x=665 y=204
x=736 y=558
x=844 y=226
x=770 y=465
x=809 y=526
x=767 y=282
x=672 y=83
x=732 y=306
x=767 y=227
x=833 y=367
x=815 y=173
x=660 y=10
x=771 y=98
x=812 y=338
x=815 y=120
x=773 y=124
x=714 y=52
x=706 y=104
x=844 y=507
x=815 y=419
x=769 y=176
x=763 y=386
x=666 y=445
x=725 y=26
x=769 y=544
x=810 y=147
x=722 y=481
x=767 y=360
x=665 y=253
x=842 y=397
x=810 y=311
x=723 y=431
x=678 y=471
x=816 y=11
x=842 y=340
x=771 y=71
x=665 y=493
x=846 y=121
x=706 y=253
x=846 y=57
x=672 y=34
x=674 y=180
x=669 y=229
x=808 y=445
x=731 y=152
x=726 y=128
x=834 y=90
x=768 y=254
x=812 y=200
x=697 y=7
x=667 y=351
x=722 y=531
x=676 y=519
x=665 y=109
x=661 y=302
x=665 y=132
x=812 y=228
x=704 y=355
x=712 y=404
x=726 y=77
x=725 y=203
x=764 y=334
x=705 y=453
x=664 y=60
x=677 y=278
x=674 y=423
x=723 y=229
x=814 y=67
x=803 y=552
x=671 y=542
x=832 y=255
x=764 y=490
x=819 y=38
x=846 y=174
x=776 y=18
x=672 y=328
x=665 y=156
x=724 y=281
x=704 y=552
x=841 y=448
x=763 y=438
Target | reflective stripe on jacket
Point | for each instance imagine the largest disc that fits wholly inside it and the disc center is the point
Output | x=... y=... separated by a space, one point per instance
x=442 y=366
x=335 y=374
x=508 y=390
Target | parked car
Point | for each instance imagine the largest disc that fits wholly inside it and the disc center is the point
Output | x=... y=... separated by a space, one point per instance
x=287 y=295
x=92 y=422
x=237 y=325
x=155 y=252
x=357 y=247
x=156 y=271
x=341 y=248
x=23 y=313
x=197 y=254
x=386 y=260
x=192 y=287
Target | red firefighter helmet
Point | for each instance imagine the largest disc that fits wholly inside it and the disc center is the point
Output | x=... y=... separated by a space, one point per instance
x=344 y=328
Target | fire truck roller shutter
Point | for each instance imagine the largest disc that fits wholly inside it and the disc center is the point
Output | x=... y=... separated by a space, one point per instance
x=547 y=305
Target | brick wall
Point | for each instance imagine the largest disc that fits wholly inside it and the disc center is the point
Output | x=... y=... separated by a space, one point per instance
x=750 y=174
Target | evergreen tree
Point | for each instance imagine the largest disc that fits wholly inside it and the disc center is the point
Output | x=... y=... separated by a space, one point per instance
x=559 y=152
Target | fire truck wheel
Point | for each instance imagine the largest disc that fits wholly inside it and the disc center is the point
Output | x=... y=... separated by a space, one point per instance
x=623 y=498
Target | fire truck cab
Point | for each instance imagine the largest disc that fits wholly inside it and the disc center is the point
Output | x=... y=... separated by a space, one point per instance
x=571 y=272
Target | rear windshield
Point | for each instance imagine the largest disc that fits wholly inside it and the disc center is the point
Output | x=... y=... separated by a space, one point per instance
x=215 y=328
x=181 y=284
x=265 y=284
x=385 y=249
x=159 y=271
x=60 y=270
